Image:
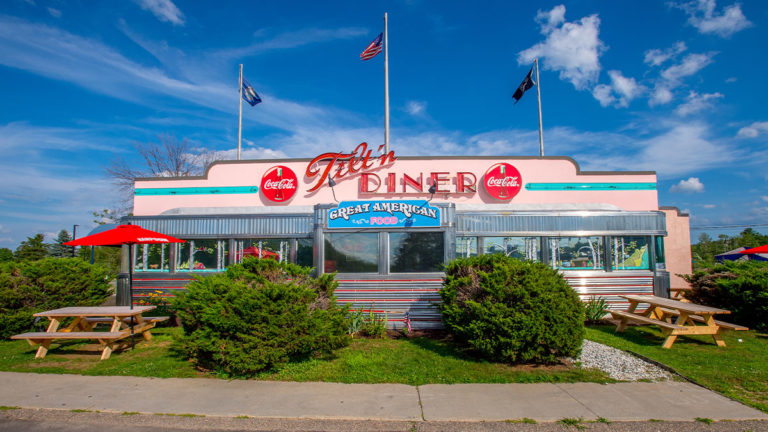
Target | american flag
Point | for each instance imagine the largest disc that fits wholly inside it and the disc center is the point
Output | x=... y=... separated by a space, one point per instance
x=407 y=321
x=372 y=49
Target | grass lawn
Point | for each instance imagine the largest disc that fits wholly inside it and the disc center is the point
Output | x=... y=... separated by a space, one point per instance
x=739 y=370
x=414 y=361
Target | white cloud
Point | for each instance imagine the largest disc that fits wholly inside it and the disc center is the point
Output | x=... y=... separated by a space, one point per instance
x=697 y=102
x=571 y=48
x=764 y=198
x=620 y=92
x=709 y=206
x=660 y=95
x=54 y=12
x=655 y=57
x=753 y=130
x=692 y=185
x=731 y=80
x=702 y=15
x=164 y=10
x=416 y=108
x=691 y=64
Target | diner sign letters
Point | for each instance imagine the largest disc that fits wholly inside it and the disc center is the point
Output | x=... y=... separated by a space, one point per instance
x=384 y=214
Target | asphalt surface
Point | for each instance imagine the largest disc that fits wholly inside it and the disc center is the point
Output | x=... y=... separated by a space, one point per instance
x=49 y=420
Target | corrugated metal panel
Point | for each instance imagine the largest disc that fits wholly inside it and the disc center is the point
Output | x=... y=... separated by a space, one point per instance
x=562 y=223
x=226 y=226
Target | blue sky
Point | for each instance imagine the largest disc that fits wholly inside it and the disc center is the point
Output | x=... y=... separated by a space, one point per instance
x=676 y=87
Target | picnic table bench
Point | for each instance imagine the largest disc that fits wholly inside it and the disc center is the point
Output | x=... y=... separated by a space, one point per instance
x=674 y=318
x=84 y=322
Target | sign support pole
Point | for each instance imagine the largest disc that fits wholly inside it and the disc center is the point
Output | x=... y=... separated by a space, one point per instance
x=240 y=117
x=386 y=88
x=538 y=94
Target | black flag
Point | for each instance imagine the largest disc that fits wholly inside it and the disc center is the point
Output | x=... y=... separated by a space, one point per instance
x=524 y=86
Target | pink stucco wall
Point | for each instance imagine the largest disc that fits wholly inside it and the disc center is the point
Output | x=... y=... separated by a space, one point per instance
x=677 y=246
x=532 y=170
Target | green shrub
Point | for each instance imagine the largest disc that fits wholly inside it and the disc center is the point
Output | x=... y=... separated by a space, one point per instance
x=51 y=283
x=259 y=315
x=595 y=309
x=511 y=311
x=739 y=286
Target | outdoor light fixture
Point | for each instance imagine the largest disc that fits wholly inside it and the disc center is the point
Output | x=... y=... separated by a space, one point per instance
x=332 y=183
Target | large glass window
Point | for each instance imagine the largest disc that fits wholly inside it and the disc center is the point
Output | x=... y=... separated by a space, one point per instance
x=576 y=253
x=411 y=252
x=151 y=257
x=660 y=259
x=522 y=248
x=351 y=253
x=629 y=253
x=297 y=251
x=202 y=255
x=466 y=247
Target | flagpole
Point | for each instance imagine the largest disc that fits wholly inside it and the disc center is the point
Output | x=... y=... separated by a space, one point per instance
x=240 y=117
x=386 y=88
x=538 y=94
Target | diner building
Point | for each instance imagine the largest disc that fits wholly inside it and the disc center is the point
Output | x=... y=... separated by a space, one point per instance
x=386 y=224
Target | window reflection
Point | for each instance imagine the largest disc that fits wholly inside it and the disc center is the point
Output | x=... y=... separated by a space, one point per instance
x=522 y=248
x=629 y=253
x=351 y=253
x=416 y=252
x=576 y=253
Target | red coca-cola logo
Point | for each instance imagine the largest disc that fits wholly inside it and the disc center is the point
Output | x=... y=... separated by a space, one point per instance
x=502 y=181
x=279 y=184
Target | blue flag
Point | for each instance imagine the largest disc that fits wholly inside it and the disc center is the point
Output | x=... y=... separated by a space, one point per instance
x=249 y=94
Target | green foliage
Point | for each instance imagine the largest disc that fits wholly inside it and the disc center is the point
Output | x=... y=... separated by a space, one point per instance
x=33 y=286
x=107 y=257
x=356 y=319
x=57 y=249
x=163 y=307
x=704 y=251
x=32 y=249
x=512 y=311
x=259 y=315
x=375 y=326
x=739 y=286
x=6 y=255
x=595 y=309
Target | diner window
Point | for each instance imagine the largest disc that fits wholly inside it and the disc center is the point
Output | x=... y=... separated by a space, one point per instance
x=466 y=247
x=412 y=252
x=576 y=253
x=305 y=248
x=351 y=253
x=522 y=248
x=629 y=253
x=660 y=258
x=202 y=256
x=151 y=257
x=296 y=251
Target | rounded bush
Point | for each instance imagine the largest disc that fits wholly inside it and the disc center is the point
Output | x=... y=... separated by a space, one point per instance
x=258 y=316
x=738 y=286
x=511 y=311
x=28 y=287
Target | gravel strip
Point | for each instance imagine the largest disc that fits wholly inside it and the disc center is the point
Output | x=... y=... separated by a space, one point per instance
x=618 y=364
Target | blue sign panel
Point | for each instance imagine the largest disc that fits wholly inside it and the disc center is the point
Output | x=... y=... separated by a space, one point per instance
x=384 y=214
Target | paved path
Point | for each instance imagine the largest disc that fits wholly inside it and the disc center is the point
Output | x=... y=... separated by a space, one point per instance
x=672 y=401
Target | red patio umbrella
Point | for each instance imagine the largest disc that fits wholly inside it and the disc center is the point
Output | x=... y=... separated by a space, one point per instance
x=125 y=235
x=756 y=250
x=263 y=253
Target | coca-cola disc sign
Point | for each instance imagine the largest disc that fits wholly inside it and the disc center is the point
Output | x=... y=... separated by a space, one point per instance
x=502 y=181
x=279 y=184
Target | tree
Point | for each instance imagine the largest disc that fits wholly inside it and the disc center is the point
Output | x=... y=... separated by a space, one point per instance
x=167 y=158
x=32 y=249
x=6 y=255
x=57 y=249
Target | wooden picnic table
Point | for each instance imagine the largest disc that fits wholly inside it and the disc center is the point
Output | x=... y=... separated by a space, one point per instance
x=84 y=322
x=675 y=318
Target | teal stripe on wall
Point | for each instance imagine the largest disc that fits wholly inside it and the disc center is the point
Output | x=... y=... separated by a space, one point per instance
x=198 y=190
x=589 y=186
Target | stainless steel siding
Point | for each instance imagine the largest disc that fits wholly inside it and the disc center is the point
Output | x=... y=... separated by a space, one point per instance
x=576 y=223
x=226 y=226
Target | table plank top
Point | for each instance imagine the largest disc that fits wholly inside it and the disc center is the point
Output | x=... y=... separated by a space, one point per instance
x=675 y=304
x=85 y=311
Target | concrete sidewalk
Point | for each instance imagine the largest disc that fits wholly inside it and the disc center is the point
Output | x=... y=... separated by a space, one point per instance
x=673 y=401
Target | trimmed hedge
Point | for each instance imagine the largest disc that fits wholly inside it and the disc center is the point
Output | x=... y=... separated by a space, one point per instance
x=512 y=311
x=32 y=286
x=258 y=316
x=739 y=286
